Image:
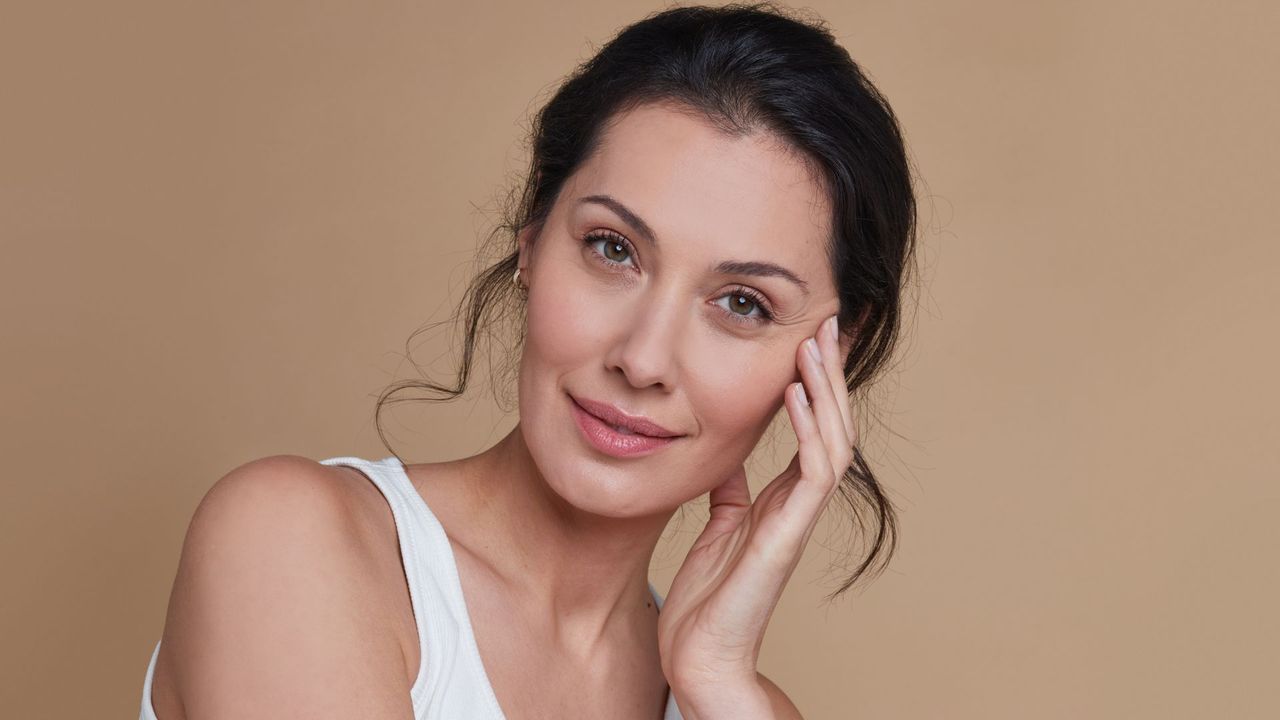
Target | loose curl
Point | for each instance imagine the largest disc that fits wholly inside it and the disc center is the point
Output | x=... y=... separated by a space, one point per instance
x=744 y=67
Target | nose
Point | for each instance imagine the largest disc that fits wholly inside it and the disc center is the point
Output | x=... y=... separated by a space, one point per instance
x=646 y=349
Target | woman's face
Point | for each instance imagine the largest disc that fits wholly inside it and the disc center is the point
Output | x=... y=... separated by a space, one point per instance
x=673 y=279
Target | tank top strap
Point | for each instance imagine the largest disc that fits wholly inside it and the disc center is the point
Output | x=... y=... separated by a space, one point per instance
x=450 y=656
x=657 y=599
x=445 y=635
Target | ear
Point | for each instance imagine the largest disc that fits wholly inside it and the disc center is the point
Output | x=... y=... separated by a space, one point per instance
x=524 y=243
x=847 y=337
x=846 y=344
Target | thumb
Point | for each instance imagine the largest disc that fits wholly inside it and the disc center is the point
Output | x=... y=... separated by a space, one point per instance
x=730 y=501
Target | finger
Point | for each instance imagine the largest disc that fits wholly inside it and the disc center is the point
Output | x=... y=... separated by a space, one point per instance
x=816 y=474
x=825 y=405
x=832 y=358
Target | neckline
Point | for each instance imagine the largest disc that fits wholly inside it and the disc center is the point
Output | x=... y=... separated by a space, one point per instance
x=454 y=581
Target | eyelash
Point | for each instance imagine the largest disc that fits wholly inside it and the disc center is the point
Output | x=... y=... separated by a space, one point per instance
x=761 y=304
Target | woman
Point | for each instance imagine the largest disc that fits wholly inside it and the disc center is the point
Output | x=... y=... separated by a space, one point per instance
x=718 y=220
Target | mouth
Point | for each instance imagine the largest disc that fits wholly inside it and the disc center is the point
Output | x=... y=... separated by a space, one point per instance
x=623 y=421
x=617 y=434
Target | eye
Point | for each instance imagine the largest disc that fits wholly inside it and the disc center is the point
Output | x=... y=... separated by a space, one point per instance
x=743 y=301
x=614 y=245
x=745 y=298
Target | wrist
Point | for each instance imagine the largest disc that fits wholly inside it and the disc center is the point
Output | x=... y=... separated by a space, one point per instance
x=744 y=699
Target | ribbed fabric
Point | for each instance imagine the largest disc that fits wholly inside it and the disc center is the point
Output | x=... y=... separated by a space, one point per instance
x=451 y=682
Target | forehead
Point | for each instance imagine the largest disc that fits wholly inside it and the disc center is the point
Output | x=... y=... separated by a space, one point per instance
x=747 y=197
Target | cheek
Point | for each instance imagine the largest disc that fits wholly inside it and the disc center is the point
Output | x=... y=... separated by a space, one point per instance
x=565 y=323
x=738 y=391
x=734 y=386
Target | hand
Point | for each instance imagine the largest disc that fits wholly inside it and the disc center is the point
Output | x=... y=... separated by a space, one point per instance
x=714 y=616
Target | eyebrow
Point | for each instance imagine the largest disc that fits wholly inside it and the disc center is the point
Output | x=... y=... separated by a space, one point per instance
x=727 y=267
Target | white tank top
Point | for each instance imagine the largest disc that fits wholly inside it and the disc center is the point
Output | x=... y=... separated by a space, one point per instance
x=451 y=683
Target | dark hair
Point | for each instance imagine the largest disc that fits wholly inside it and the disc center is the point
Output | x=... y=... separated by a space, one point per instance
x=744 y=68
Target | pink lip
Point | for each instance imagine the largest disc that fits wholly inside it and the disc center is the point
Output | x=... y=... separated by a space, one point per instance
x=600 y=434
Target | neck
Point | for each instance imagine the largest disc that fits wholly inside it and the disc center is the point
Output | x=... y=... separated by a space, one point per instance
x=591 y=571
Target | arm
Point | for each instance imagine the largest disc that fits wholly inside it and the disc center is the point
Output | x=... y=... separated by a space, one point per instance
x=267 y=618
x=783 y=708
x=761 y=700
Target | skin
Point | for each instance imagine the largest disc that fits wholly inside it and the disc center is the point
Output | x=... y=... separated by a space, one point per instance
x=553 y=539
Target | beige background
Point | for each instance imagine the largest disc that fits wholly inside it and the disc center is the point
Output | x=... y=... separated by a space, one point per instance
x=221 y=221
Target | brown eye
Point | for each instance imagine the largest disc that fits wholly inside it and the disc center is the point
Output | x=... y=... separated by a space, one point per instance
x=615 y=251
x=613 y=248
x=742 y=301
x=746 y=306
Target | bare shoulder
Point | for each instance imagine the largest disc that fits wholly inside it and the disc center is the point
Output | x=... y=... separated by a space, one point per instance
x=290 y=494
x=270 y=613
x=782 y=705
x=259 y=485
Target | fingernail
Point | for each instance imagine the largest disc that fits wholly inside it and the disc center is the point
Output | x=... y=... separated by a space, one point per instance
x=833 y=330
x=800 y=394
x=812 y=346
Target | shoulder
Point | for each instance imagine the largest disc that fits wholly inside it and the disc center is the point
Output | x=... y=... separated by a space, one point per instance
x=283 y=513
x=280 y=496
x=269 y=607
x=301 y=511
x=269 y=480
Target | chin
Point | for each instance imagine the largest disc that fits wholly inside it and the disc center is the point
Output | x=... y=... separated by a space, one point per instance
x=589 y=483
x=600 y=489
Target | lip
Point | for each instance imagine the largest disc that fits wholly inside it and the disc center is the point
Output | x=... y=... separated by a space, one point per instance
x=598 y=430
x=613 y=416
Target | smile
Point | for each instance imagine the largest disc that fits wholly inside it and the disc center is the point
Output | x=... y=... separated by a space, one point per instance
x=617 y=440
